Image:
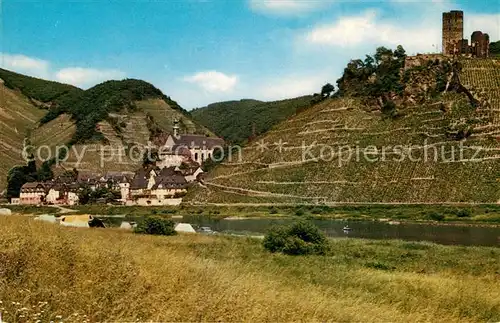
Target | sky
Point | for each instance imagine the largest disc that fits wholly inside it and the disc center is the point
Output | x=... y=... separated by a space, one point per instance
x=204 y=51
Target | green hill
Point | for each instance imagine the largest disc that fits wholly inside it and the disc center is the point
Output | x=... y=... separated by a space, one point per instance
x=495 y=48
x=237 y=121
x=40 y=92
x=356 y=148
x=106 y=120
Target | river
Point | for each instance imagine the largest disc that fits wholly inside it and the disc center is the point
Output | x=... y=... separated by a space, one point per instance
x=467 y=235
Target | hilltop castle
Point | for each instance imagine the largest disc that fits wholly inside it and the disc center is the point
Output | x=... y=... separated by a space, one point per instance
x=453 y=37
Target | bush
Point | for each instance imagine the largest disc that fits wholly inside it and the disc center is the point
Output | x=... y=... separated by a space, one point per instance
x=436 y=216
x=463 y=213
x=300 y=238
x=299 y=212
x=156 y=226
x=317 y=210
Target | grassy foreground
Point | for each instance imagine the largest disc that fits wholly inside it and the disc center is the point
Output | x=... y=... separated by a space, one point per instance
x=49 y=272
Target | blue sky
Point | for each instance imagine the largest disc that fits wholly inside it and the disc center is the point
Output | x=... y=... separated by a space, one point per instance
x=202 y=51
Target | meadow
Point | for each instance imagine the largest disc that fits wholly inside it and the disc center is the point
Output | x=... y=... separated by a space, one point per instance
x=48 y=272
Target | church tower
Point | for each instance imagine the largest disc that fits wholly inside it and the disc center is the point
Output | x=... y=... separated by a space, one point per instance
x=176 y=128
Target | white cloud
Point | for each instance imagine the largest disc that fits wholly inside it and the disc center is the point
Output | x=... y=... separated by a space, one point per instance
x=367 y=29
x=487 y=23
x=24 y=64
x=213 y=81
x=85 y=77
x=286 y=7
x=290 y=86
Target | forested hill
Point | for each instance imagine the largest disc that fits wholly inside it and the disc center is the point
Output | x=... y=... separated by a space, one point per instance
x=90 y=107
x=237 y=121
x=41 y=92
x=120 y=114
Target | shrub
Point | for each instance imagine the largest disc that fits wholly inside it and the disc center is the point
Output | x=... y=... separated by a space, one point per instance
x=300 y=238
x=156 y=226
x=272 y=210
x=436 y=216
x=299 y=212
x=317 y=210
x=463 y=213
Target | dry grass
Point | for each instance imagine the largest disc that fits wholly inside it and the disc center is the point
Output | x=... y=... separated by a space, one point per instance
x=48 y=272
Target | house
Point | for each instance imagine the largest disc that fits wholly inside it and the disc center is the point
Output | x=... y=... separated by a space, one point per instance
x=62 y=194
x=33 y=193
x=154 y=187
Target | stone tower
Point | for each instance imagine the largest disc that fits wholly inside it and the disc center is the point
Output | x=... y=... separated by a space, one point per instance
x=480 y=44
x=453 y=31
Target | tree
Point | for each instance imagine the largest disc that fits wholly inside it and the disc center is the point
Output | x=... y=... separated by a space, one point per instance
x=16 y=178
x=300 y=238
x=327 y=90
x=156 y=226
x=400 y=53
x=45 y=172
x=149 y=158
x=383 y=54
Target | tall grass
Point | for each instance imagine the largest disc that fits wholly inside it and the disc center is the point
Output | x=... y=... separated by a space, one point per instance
x=49 y=272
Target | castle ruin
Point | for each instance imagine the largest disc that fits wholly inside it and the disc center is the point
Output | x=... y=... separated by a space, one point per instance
x=453 y=37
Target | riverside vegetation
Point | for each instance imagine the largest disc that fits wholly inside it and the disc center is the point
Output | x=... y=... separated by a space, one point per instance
x=460 y=213
x=53 y=273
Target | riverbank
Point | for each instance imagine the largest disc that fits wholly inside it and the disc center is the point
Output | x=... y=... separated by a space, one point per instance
x=51 y=272
x=457 y=214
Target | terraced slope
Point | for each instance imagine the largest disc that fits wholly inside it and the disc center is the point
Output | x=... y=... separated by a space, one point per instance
x=337 y=152
x=18 y=116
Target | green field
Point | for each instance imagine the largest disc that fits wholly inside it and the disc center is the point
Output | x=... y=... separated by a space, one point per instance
x=54 y=273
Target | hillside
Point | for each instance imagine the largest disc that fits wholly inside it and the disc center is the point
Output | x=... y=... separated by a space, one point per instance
x=105 y=120
x=306 y=159
x=236 y=121
x=18 y=115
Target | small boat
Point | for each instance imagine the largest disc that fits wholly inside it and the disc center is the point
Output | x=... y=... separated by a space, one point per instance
x=206 y=230
x=347 y=228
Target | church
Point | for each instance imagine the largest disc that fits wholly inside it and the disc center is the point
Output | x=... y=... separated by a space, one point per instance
x=181 y=148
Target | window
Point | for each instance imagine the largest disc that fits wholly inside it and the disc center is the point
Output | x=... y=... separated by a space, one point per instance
x=196 y=156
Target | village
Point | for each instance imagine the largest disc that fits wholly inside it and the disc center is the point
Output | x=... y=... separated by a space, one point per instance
x=162 y=182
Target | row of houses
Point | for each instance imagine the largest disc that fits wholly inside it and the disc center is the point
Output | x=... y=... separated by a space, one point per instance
x=163 y=183
x=152 y=186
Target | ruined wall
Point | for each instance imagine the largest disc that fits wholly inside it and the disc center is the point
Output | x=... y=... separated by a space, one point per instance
x=480 y=44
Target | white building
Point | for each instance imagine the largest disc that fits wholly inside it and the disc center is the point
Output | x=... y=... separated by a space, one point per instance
x=154 y=187
x=62 y=194
x=32 y=193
